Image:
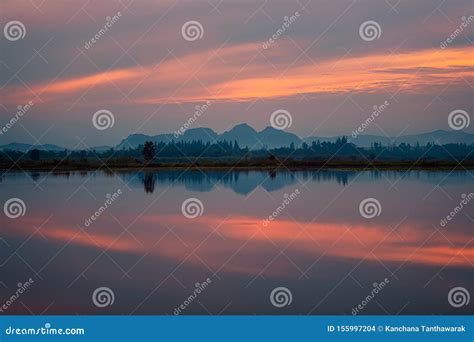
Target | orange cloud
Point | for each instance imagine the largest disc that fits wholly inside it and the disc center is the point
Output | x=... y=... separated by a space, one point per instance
x=230 y=74
x=80 y=83
x=365 y=74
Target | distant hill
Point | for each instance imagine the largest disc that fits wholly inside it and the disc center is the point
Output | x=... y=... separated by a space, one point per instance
x=26 y=147
x=45 y=147
x=102 y=148
x=269 y=138
x=440 y=137
x=134 y=140
x=245 y=135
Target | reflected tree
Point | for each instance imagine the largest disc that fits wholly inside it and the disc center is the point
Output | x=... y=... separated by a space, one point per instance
x=149 y=180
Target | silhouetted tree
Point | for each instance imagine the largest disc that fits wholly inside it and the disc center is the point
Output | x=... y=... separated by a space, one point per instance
x=34 y=154
x=236 y=147
x=149 y=151
x=188 y=151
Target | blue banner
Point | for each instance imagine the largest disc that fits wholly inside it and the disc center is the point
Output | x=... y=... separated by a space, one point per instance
x=236 y=328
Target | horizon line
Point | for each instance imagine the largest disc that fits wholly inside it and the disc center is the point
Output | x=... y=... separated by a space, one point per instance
x=348 y=136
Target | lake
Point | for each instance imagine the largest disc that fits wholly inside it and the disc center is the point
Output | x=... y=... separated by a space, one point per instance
x=236 y=242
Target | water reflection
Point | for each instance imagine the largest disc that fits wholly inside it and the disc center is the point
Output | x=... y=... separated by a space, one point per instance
x=148 y=180
x=319 y=246
x=241 y=182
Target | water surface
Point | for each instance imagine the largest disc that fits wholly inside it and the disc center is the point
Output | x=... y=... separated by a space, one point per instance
x=318 y=246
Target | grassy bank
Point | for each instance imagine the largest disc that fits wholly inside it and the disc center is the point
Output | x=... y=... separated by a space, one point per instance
x=69 y=165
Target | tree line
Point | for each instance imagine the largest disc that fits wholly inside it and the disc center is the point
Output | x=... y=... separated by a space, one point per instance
x=151 y=152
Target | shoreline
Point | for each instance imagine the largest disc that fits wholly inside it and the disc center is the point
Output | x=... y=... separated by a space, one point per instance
x=342 y=166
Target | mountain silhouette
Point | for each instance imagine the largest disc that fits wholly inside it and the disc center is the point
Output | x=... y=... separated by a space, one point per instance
x=439 y=137
x=27 y=147
x=247 y=136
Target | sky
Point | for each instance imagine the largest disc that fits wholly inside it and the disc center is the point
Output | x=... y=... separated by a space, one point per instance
x=152 y=64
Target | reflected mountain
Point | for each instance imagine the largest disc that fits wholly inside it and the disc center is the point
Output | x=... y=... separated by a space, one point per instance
x=241 y=182
x=244 y=182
